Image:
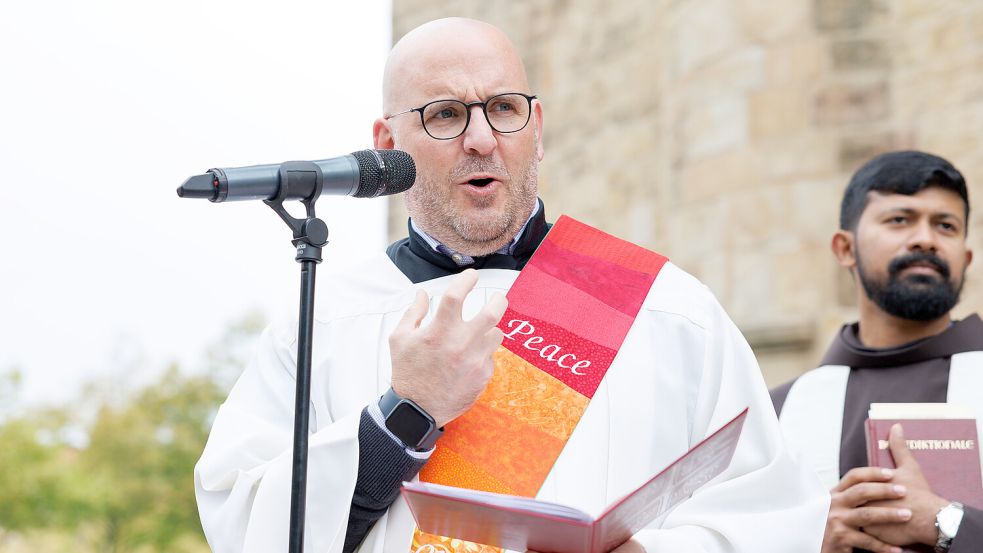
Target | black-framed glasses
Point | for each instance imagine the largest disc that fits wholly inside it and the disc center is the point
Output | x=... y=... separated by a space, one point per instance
x=447 y=119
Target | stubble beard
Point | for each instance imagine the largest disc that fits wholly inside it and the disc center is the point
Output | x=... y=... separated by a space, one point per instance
x=430 y=204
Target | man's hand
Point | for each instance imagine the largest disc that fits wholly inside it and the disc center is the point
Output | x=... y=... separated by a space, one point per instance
x=445 y=366
x=920 y=499
x=850 y=510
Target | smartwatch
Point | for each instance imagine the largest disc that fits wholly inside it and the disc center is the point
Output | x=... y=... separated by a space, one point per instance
x=409 y=422
x=947 y=521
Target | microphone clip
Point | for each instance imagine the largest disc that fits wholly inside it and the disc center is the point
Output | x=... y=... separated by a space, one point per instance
x=304 y=179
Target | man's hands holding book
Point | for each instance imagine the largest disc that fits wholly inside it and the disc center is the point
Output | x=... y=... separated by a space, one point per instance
x=881 y=509
x=852 y=507
x=919 y=499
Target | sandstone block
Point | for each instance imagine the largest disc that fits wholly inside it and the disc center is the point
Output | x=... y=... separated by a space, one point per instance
x=856 y=149
x=802 y=155
x=815 y=207
x=701 y=32
x=856 y=102
x=839 y=15
x=708 y=178
x=710 y=126
x=753 y=277
x=694 y=231
x=798 y=61
x=765 y=21
x=778 y=112
x=754 y=216
x=856 y=54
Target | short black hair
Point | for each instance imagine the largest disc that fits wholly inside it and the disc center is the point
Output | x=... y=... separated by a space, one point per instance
x=906 y=172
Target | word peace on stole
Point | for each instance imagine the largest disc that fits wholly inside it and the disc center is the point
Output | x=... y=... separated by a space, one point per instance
x=550 y=352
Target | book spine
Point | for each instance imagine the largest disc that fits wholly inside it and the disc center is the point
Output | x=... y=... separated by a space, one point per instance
x=878 y=430
x=871 y=435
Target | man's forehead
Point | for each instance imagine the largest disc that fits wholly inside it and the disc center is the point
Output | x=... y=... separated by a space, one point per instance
x=467 y=83
x=934 y=199
x=461 y=59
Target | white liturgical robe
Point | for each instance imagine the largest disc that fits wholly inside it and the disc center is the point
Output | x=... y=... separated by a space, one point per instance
x=683 y=371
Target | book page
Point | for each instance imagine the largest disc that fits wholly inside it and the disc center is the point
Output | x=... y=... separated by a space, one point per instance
x=919 y=411
x=511 y=502
x=670 y=487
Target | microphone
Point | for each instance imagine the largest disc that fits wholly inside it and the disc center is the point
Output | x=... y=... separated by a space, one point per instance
x=362 y=174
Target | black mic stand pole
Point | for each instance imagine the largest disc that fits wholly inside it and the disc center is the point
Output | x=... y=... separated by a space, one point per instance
x=310 y=235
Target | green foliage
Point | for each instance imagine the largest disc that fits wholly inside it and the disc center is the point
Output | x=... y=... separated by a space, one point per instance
x=30 y=478
x=38 y=474
x=140 y=459
x=117 y=476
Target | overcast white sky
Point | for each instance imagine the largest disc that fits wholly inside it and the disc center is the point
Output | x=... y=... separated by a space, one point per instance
x=106 y=107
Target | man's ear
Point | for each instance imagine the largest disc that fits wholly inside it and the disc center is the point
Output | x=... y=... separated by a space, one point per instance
x=844 y=248
x=969 y=256
x=382 y=135
x=537 y=121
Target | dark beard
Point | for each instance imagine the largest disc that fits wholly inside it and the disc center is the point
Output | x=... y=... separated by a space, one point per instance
x=917 y=297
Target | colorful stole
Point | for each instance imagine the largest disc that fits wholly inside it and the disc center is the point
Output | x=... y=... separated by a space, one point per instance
x=569 y=311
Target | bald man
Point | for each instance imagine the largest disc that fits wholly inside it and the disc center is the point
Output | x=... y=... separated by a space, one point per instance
x=416 y=328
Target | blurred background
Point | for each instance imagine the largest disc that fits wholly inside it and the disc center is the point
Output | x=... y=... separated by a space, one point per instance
x=718 y=132
x=721 y=133
x=126 y=312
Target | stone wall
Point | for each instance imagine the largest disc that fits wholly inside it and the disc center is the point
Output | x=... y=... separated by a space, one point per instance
x=721 y=133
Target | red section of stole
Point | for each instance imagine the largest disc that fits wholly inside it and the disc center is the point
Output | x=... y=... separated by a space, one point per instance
x=577 y=362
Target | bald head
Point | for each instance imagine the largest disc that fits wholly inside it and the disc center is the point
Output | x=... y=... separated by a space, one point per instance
x=474 y=191
x=450 y=58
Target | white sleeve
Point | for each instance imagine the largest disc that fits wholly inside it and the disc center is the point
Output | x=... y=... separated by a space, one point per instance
x=764 y=501
x=243 y=479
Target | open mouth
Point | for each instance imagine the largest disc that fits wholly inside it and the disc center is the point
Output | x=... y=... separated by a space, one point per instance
x=480 y=182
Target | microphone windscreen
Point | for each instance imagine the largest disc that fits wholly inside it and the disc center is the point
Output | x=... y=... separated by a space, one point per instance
x=383 y=172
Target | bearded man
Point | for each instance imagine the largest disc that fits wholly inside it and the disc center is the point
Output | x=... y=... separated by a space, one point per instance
x=903 y=224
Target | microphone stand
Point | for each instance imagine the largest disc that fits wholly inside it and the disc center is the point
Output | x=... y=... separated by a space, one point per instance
x=309 y=236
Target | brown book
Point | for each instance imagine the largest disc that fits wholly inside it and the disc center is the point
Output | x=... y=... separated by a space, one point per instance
x=942 y=438
x=521 y=523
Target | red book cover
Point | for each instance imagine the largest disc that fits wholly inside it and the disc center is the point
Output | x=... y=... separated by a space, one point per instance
x=947 y=450
x=522 y=523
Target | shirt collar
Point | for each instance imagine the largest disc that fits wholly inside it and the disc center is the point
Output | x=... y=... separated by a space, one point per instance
x=461 y=259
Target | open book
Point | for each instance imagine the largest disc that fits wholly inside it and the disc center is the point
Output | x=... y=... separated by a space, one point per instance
x=521 y=523
x=942 y=437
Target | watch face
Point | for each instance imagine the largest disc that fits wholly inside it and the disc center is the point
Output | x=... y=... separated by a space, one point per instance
x=408 y=424
x=949 y=519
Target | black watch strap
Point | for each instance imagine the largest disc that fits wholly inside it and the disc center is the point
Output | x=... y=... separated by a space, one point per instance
x=408 y=421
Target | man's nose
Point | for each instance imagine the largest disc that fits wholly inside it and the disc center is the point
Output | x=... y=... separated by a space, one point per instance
x=923 y=237
x=479 y=137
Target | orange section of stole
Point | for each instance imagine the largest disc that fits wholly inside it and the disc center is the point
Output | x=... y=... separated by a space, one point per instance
x=430 y=543
x=532 y=412
x=528 y=415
